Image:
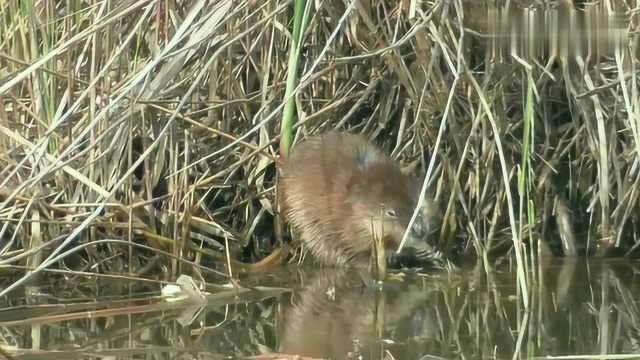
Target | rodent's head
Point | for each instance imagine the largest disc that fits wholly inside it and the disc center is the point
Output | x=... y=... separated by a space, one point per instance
x=383 y=200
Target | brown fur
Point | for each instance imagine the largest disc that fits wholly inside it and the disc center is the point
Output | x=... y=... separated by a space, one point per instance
x=334 y=191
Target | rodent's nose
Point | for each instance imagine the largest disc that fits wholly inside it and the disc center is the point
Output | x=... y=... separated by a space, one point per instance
x=421 y=227
x=417 y=238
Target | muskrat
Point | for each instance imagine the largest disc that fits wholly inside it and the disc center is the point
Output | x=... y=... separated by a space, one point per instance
x=337 y=190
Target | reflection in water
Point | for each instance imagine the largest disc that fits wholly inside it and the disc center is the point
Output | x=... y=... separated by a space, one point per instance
x=335 y=316
x=577 y=308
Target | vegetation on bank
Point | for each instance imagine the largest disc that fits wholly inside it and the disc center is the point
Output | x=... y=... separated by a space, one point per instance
x=136 y=133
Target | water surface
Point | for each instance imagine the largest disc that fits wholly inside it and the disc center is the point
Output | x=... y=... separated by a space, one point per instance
x=576 y=307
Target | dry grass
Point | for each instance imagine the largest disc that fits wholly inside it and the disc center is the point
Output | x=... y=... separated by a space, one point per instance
x=136 y=131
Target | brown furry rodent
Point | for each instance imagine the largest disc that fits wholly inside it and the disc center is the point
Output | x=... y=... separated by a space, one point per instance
x=337 y=190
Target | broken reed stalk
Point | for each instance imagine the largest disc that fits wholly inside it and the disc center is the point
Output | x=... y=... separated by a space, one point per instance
x=378 y=252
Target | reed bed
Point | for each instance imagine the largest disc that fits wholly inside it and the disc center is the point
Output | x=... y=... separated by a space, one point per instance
x=143 y=137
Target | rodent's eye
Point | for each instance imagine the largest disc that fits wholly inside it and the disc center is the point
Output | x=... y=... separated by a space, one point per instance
x=390 y=213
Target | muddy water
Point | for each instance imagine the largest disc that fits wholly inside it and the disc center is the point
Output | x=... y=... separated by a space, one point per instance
x=575 y=308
